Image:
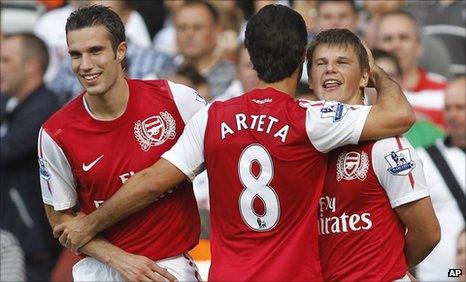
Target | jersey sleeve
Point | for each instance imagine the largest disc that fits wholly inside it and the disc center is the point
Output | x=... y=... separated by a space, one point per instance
x=187 y=100
x=333 y=124
x=57 y=183
x=399 y=170
x=188 y=152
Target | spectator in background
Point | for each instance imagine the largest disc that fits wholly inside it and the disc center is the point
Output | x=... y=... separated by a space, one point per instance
x=336 y=14
x=11 y=258
x=233 y=24
x=189 y=76
x=423 y=133
x=445 y=20
x=197 y=30
x=398 y=33
x=444 y=164
x=141 y=63
x=372 y=12
x=435 y=57
x=461 y=254
x=26 y=105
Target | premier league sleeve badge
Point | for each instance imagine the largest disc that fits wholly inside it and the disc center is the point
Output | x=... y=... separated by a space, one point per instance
x=400 y=162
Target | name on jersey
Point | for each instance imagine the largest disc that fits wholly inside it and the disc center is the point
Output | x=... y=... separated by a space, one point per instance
x=332 y=224
x=260 y=123
x=155 y=130
x=400 y=162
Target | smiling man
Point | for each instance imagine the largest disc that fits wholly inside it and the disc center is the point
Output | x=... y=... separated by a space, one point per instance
x=375 y=192
x=95 y=143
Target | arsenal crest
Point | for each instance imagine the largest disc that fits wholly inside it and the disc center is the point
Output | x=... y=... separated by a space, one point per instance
x=352 y=165
x=155 y=130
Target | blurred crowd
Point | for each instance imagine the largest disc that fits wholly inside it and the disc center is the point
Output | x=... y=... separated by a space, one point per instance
x=419 y=43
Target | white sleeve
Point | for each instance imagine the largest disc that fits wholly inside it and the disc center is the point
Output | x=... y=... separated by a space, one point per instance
x=186 y=99
x=399 y=170
x=333 y=124
x=57 y=183
x=188 y=152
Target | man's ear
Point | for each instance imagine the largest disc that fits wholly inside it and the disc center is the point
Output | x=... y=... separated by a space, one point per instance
x=121 y=51
x=364 y=81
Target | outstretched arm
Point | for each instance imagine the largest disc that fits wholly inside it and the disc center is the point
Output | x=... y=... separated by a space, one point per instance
x=131 y=267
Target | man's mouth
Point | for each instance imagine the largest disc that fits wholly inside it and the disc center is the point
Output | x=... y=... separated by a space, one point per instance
x=331 y=84
x=90 y=77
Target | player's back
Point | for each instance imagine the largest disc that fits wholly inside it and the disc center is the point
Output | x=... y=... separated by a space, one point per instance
x=265 y=178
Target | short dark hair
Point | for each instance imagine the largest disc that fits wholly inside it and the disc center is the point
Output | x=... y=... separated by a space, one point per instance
x=276 y=39
x=381 y=54
x=351 y=2
x=337 y=36
x=93 y=15
x=33 y=47
x=210 y=8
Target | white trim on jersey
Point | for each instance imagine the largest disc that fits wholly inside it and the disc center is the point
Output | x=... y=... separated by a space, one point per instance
x=187 y=100
x=188 y=152
x=57 y=183
x=333 y=124
x=403 y=180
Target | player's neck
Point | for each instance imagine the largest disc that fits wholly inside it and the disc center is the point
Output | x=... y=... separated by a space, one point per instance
x=287 y=85
x=112 y=104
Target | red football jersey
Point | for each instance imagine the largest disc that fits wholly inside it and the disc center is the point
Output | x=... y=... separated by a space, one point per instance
x=360 y=236
x=85 y=160
x=265 y=163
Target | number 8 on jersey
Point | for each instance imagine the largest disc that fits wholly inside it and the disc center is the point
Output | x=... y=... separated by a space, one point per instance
x=257 y=186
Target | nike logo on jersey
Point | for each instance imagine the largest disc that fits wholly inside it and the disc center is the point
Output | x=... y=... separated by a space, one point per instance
x=89 y=166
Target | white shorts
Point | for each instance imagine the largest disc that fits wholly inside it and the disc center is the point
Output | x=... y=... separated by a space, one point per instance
x=403 y=279
x=90 y=269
